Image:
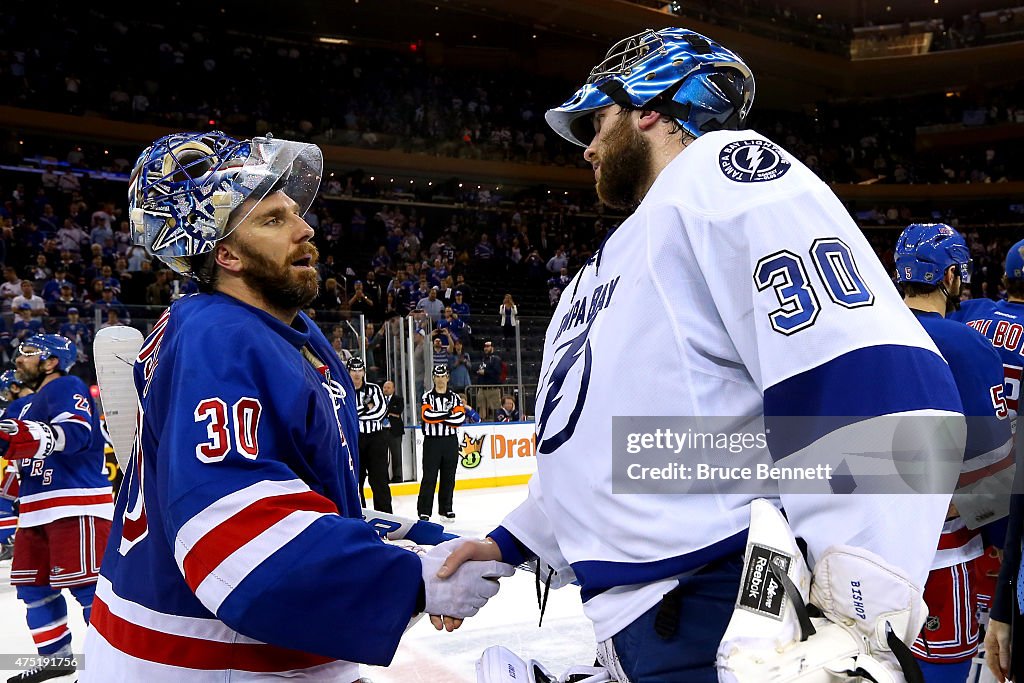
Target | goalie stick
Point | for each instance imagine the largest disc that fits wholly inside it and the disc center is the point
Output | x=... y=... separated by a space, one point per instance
x=114 y=352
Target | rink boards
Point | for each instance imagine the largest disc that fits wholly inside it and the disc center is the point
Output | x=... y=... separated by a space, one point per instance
x=490 y=454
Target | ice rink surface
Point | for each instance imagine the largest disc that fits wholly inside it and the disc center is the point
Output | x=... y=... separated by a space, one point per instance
x=426 y=655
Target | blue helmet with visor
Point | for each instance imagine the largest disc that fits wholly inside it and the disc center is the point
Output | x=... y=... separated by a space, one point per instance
x=676 y=72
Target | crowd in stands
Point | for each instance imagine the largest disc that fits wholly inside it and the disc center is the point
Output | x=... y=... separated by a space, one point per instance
x=336 y=94
x=879 y=141
x=825 y=30
x=444 y=110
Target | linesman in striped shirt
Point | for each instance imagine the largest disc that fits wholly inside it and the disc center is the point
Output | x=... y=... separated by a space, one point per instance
x=373 y=444
x=442 y=412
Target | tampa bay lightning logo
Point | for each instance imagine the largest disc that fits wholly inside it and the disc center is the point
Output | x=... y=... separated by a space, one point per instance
x=753 y=161
x=575 y=350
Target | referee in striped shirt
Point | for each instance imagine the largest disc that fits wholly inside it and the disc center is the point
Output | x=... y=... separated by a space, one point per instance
x=442 y=412
x=373 y=445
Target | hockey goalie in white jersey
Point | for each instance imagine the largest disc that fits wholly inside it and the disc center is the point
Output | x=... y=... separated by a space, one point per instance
x=738 y=286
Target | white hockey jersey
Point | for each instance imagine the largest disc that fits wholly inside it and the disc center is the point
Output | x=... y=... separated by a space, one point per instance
x=739 y=287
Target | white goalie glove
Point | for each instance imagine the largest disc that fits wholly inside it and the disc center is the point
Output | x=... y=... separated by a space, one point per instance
x=463 y=593
x=870 y=611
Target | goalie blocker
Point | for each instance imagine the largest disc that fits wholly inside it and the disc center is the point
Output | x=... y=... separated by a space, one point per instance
x=862 y=614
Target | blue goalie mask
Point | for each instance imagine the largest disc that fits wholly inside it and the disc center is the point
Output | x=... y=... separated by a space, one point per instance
x=926 y=250
x=189 y=190
x=675 y=72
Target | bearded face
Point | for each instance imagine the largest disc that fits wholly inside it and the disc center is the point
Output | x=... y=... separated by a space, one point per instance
x=623 y=163
x=287 y=283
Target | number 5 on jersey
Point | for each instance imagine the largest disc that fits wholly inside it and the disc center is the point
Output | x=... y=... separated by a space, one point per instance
x=784 y=272
x=242 y=422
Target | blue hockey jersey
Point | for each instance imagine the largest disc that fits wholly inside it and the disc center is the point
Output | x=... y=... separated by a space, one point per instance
x=238 y=543
x=1002 y=323
x=987 y=473
x=71 y=481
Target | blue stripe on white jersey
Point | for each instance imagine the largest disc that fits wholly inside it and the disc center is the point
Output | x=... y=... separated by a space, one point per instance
x=923 y=383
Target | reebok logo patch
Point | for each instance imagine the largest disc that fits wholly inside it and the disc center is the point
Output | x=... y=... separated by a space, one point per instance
x=760 y=591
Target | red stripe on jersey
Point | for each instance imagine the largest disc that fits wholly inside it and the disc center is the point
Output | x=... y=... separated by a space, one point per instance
x=248 y=523
x=61 y=501
x=967 y=478
x=8 y=522
x=195 y=653
x=948 y=540
x=49 y=634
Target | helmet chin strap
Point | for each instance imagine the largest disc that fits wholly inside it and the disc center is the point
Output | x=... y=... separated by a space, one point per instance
x=952 y=302
x=42 y=377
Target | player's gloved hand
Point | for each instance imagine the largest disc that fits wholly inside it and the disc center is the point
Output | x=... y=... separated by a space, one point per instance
x=460 y=593
x=26 y=439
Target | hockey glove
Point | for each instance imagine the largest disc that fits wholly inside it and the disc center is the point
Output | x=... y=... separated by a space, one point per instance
x=463 y=593
x=26 y=439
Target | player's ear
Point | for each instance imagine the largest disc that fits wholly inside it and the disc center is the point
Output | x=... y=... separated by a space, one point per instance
x=950 y=276
x=648 y=119
x=227 y=256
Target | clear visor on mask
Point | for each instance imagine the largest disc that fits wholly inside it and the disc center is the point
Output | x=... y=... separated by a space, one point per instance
x=294 y=168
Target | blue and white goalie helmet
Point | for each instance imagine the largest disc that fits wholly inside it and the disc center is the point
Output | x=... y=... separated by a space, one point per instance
x=189 y=190
x=675 y=72
x=51 y=346
x=926 y=250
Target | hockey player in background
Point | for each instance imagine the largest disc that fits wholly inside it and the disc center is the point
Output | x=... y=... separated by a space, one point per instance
x=1002 y=323
x=757 y=295
x=931 y=263
x=52 y=435
x=11 y=388
x=238 y=550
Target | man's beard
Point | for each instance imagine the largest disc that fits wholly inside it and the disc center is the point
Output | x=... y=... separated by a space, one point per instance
x=276 y=282
x=31 y=378
x=625 y=160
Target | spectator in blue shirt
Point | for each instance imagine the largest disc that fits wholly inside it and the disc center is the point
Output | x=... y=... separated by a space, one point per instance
x=461 y=307
x=52 y=287
x=77 y=331
x=484 y=249
x=25 y=325
x=109 y=302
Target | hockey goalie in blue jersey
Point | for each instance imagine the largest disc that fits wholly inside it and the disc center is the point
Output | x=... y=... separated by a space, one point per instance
x=238 y=550
x=932 y=260
x=758 y=297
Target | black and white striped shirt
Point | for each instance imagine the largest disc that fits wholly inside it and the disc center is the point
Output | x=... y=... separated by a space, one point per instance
x=441 y=413
x=372 y=408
